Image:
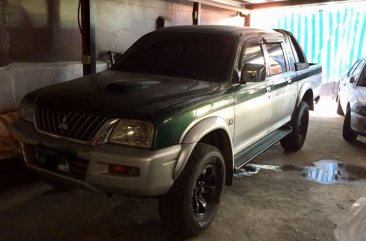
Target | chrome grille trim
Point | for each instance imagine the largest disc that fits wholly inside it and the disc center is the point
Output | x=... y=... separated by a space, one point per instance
x=81 y=128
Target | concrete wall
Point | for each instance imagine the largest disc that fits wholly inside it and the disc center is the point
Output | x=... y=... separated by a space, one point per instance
x=47 y=30
x=38 y=32
x=122 y=22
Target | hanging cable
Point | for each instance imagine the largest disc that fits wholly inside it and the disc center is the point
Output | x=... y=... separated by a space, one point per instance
x=79 y=24
x=83 y=45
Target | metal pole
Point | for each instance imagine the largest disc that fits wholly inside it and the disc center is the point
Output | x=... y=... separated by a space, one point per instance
x=196 y=13
x=88 y=36
x=4 y=34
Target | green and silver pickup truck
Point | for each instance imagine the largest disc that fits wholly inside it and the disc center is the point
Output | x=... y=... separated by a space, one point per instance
x=175 y=117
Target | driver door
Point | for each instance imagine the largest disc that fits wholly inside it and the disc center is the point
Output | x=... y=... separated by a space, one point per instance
x=253 y=103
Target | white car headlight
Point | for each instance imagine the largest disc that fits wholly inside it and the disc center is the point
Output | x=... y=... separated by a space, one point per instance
x=133 y=133
x=27 y=110
x=361 y=110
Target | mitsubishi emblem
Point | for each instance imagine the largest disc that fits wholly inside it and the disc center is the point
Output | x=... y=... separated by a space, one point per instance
x=63 y=125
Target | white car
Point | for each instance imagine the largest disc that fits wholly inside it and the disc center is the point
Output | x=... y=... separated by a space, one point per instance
x=352 y=101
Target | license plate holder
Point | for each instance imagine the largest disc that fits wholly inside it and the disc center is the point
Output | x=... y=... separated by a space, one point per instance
x=54 y=159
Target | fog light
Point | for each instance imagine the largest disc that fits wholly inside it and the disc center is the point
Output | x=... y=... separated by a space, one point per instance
x=124 y=170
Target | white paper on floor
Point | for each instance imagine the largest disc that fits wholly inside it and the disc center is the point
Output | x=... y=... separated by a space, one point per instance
x=252 y=169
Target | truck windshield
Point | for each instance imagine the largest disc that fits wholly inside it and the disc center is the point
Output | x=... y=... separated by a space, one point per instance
x=189 y=55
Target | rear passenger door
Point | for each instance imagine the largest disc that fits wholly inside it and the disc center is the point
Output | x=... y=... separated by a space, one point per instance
x=284 y=90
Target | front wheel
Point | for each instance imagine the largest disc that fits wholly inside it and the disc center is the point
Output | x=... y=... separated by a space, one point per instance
x=348 y=134
x=299 y=124
x=192 y=202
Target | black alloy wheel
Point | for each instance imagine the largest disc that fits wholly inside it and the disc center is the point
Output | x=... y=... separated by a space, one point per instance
x=303 y=127
x=192 y=202
x=299 y=123
x=205 y=192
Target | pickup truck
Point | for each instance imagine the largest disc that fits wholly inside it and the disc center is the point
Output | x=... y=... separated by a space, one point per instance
x=175 y=117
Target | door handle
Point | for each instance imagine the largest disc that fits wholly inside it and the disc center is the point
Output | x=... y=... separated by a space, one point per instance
x=289 y=80
x=268 y=89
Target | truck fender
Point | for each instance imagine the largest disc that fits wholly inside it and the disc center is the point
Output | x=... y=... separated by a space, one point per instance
x=194 y=135
x=305 y=87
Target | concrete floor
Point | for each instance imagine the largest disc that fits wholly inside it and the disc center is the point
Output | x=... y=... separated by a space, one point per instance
x=272 y=205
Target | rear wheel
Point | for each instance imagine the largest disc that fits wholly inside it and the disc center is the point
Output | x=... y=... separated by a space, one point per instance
x=192 y=202
x=299 y=124
x=348 y=134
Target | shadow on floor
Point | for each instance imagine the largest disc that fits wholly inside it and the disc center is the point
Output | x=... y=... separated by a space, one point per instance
x=14 y=173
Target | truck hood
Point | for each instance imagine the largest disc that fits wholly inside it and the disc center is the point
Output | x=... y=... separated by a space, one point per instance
x=122 y=94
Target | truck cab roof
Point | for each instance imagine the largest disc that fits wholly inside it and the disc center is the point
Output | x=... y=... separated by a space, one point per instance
x=224 y=30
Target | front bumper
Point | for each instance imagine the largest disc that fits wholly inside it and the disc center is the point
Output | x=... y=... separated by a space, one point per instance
x=156 y=167
x=358 y=123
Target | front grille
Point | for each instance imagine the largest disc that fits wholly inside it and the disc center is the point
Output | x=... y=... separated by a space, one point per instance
x=71 y=124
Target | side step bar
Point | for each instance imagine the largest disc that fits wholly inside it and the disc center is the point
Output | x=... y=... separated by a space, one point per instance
x=259 y=147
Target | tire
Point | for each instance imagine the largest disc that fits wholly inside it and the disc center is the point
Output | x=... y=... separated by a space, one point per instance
x=339 y=108
x=348 y=134
x=299 y=123
x=192 y=202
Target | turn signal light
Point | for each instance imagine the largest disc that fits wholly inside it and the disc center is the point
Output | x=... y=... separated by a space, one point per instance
x=124 y=170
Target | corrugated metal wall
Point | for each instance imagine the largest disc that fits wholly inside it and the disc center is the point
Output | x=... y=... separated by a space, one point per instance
x=332 y=35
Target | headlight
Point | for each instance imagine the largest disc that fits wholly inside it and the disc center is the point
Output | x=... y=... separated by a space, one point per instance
x=27 y=110
x=361 y=110
x=133 y=133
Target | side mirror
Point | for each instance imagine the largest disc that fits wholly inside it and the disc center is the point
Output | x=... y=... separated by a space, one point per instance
x=301 y=66
x=252 y=73
x=352 y=80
